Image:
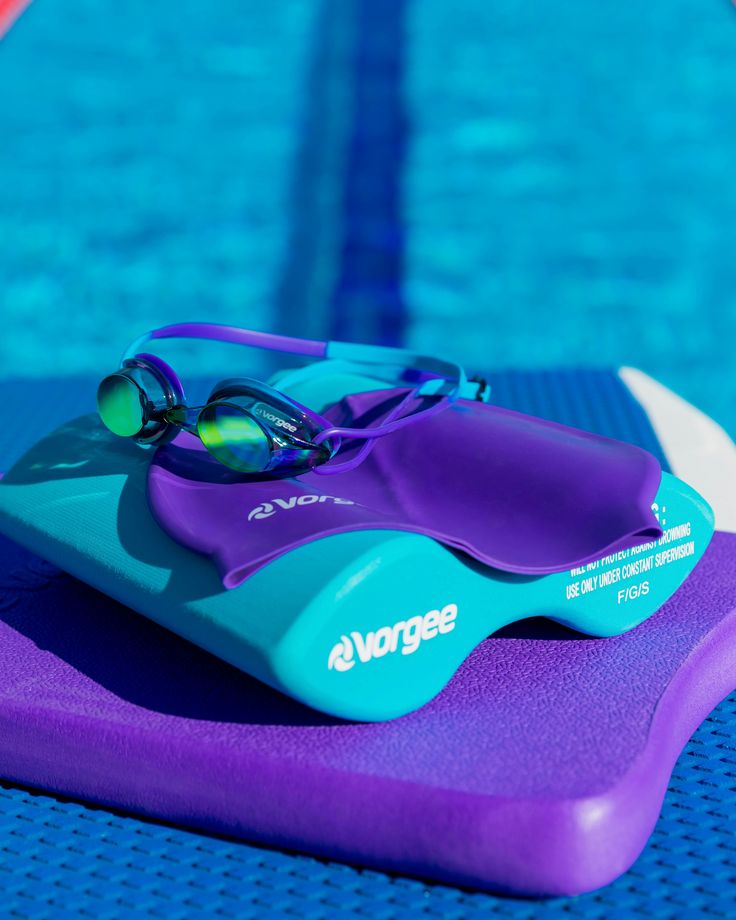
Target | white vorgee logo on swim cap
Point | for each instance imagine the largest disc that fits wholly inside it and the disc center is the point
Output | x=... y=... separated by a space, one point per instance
x=266 y=509
x=405 y=634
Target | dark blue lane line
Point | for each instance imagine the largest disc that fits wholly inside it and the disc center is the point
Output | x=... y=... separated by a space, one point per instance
x=342 y=272
x=367 y=301
x=303 y=292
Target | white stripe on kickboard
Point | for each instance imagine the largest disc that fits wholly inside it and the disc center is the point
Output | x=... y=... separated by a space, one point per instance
x=699 y=451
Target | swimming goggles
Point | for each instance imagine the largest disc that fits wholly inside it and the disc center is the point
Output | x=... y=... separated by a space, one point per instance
x=252 y=427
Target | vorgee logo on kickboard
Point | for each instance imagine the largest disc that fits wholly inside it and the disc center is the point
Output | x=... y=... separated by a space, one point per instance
x=267 y=509
x=406 y=635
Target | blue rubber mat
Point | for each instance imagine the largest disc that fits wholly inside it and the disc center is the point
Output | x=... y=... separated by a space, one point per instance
x=59 y=856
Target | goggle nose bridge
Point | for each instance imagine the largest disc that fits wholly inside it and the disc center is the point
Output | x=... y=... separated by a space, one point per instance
x=186 y=417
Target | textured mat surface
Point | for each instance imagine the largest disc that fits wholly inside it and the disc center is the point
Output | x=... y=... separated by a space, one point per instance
x=57 y=855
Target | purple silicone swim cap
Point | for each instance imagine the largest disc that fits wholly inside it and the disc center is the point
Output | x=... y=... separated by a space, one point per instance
x=517 y=493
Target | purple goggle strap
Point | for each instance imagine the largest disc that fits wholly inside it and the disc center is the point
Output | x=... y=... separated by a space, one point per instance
x=448 y=379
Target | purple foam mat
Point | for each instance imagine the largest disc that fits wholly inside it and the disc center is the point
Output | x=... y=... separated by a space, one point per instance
x=540 y=769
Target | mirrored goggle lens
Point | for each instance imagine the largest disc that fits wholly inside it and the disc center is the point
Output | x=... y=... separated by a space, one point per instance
x=120 y=405
x=234 y=437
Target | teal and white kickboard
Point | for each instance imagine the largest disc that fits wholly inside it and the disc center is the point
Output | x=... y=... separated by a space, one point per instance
x=365 y=625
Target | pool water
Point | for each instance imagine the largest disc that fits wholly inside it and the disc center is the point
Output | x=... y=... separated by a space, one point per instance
x=514 y=185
